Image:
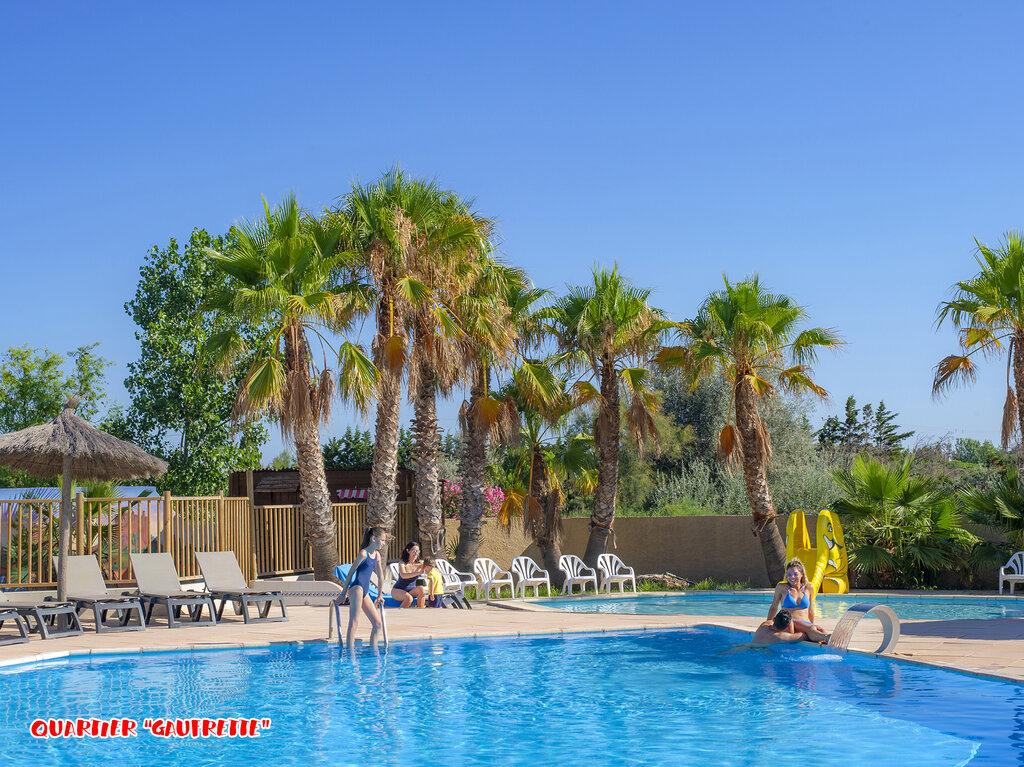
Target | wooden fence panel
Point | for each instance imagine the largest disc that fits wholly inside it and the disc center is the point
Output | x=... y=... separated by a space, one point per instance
x=266 y=540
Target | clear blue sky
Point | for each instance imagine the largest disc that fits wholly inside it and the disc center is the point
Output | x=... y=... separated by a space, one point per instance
x=846 y=152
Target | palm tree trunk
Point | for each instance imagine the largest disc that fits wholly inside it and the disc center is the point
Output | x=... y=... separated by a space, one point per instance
x=1018 y=385
x=753 y=439
x=318 y=520
x=425 y=458
x=317 y=516
x=381 y=503
x=471 y=514
x=547 y=529
x=603 y=517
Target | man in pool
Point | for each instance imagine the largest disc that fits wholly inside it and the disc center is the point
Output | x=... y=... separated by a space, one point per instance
x=776 y=631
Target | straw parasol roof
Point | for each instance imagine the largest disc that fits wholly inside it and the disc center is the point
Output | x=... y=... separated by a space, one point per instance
x=41 y=450
x=69 y=446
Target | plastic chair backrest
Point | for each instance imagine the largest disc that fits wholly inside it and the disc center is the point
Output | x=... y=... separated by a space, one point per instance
x=1016 y=564
x=85 y=576
x=486 y=568
x=572 y=565
x=393 y=573
x=610 y=563
x=525 y=567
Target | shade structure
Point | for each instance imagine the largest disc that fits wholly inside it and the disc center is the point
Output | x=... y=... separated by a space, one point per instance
x=69 y=446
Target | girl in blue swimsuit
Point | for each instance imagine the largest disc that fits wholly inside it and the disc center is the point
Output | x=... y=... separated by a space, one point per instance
x=797 y=596
x=357 y=586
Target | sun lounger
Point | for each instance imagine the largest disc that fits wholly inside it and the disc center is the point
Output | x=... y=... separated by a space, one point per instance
x=87 y=589
x=224 y=581
x=530 y=575
x=158 y=584
x=491 y=577
x=613 y=570
x=576 y=573
x=52 y=619
x=19 y=624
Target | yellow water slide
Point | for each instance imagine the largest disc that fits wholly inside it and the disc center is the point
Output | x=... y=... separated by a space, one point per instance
x=826 y=563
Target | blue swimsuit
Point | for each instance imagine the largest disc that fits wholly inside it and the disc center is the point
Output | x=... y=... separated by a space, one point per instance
x=363 y=573
x=789 y=603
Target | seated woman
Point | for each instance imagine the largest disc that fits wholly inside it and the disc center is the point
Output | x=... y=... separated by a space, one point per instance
x=406 y=591
x=797 y=596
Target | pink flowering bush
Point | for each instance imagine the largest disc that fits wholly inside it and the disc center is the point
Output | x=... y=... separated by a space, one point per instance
x=451 y=499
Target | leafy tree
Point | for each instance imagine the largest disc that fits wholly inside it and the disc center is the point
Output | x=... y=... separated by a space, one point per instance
x=34 y=385
x=608 y=334
x=353 y=450
x=284 y=460
x=972 y=451
x=868 y=428
x=885 y=433
x=180 y=407
x=988 y=311
x=283 y=276
x=1001 y=506
x=901 y=529
x=746 y=334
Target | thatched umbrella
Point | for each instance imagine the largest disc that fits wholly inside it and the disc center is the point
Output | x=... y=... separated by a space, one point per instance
x=69 y=446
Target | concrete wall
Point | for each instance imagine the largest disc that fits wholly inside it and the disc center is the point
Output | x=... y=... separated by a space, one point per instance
x=718 y=547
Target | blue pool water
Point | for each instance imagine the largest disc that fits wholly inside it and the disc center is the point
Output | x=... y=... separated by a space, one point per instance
x=653 y=698
x=826 y=605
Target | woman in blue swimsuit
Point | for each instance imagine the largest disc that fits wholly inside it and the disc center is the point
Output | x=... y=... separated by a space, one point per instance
x=797 y=596
x=357 y=586
x=405 y=591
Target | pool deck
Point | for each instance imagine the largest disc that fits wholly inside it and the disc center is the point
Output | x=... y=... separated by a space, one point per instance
x=992 y=647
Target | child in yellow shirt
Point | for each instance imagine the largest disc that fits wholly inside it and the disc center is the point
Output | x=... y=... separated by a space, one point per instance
x=435 y=583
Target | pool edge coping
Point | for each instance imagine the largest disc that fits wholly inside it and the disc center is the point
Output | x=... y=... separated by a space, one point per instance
x=68 y=654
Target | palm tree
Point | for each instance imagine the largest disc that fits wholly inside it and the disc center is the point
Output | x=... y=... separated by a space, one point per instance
x=751 y=337
x=607 y=333
x=397 y=226
x=282 y=278
x=440 y=343
x=544 y=459
x=900 y=528
x=988 y=310
x=498 y=318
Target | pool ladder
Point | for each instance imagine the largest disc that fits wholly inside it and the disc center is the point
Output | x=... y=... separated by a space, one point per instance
x=843 y=632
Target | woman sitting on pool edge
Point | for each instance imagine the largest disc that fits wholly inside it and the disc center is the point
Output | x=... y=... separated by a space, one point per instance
x=405 y=591
x=797 y=596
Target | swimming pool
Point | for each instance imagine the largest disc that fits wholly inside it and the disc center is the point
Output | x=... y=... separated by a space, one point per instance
x=660 y=698
x=826 y=605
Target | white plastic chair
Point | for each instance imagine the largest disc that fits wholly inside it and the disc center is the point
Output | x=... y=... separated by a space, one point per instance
x=492 y=577
x=391 y=574
x=613 y=570
x=529 y=574
x=1012 y=572
x=448 y=572
x=576 y=573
